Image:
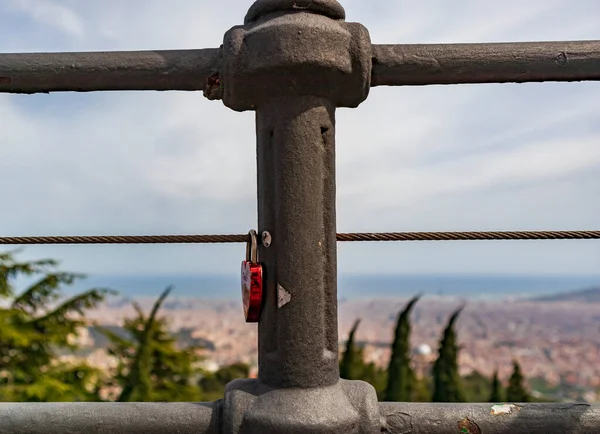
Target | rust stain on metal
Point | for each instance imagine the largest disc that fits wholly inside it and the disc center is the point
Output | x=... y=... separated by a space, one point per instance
x=5 y=80
x=501 y=409
x=467 y=426
x=214 y=87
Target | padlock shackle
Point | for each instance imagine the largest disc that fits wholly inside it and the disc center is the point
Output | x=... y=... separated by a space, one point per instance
x=252 y=247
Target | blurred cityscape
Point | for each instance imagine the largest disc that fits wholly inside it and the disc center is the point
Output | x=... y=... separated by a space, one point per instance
x=556 y=341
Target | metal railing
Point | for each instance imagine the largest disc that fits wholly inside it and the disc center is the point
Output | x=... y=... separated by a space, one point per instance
x=194 y=418
x=294 y=63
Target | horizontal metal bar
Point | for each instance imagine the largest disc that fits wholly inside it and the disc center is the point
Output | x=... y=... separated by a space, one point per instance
x=425 y=418
x=393 y=65
x=200 y=418
x=519 y=62
x=109 y=418
x=119 y=70
x=349 y=237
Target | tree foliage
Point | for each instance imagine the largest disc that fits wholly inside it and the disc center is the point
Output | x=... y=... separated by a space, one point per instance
x=447 y=385
x=401 y=378
x=213 y=384
x=496 y=393
x=353 y=366
x=421 y=390
x=37 y=325
x=351 y=363
x=151 y=367
x=516 y=391
x=476 y=387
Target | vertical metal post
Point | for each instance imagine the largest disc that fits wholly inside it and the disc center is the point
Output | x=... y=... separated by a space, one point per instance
x=298 y=339
x=294 y=62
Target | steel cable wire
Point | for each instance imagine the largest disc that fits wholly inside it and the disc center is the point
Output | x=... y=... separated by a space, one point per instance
x=343 y=237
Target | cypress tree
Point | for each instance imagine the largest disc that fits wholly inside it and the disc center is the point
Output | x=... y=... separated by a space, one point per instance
x=351 y=357
x=447 y=385
x=477 y=387
x=496 y=395
x=353 y=366
x=516 y=390
x=421 y=390
x=401 y=378
x=375 y=376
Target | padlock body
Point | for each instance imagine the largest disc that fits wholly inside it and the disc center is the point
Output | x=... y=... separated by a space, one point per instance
x=252 y=290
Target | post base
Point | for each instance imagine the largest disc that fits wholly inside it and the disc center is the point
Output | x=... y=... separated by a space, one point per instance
x=349 y=407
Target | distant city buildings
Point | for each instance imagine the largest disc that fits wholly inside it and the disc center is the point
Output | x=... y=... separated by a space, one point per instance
x=558 y=343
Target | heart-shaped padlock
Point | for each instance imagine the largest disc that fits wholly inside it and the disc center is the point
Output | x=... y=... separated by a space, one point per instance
x=252 y=280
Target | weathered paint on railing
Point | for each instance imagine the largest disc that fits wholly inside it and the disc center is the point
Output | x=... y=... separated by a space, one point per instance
x=420 y=418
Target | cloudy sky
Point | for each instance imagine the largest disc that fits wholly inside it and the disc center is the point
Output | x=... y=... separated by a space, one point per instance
x=477 y=157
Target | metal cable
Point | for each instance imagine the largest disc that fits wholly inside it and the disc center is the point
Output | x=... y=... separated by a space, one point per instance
x=468 y=236
x=116 y=239
x=390 y=236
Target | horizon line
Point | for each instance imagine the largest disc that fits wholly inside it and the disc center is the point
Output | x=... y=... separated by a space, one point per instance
x=370 y=274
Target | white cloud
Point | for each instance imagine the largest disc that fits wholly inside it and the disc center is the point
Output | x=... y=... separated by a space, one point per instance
x=475 y=157
x=531 y=163
x=52 y=14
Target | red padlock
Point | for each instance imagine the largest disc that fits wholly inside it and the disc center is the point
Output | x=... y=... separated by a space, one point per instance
x=252 y=280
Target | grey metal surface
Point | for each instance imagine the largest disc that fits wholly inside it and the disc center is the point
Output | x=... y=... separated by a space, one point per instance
x=518 y=62
x=202 y=418
x=329 y=8
x=294 y=63
x=393 y=65
x=294 y=84
x=119 y=70
x=109 y=418
x=298 y=338
x=425 y=418
x=346 y=407
x=295 y=54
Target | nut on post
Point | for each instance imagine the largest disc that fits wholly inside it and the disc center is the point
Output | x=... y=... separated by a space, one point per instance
x=266 y=238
